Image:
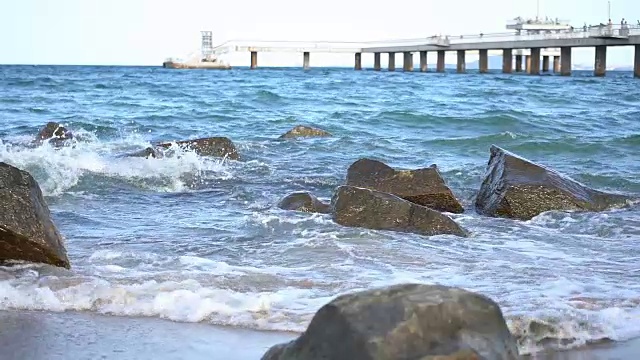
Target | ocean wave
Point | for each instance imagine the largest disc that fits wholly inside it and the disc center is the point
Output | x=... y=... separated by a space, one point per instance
x=59 y=170
x=217 y=293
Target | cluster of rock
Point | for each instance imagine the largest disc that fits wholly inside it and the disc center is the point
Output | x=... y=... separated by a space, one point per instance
x=408 y=321
x=27 y=232
x=377 y=196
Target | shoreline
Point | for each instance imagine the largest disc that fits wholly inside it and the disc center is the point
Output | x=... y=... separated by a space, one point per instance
x=39 y=335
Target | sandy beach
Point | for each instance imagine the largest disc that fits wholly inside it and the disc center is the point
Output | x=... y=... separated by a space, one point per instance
x=75 y=335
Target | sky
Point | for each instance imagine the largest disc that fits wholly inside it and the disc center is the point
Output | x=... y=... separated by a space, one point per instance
x=146 y=32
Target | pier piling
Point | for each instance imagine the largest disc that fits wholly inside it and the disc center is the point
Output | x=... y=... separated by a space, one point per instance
x=392 y=61
x=565 y=61
x=408 y=61
x=507 y=61
x=545 y=63
x=518 y=63
x=600 y=67
x=636 y=62
x=556 y=64
x=440 y=63
x=305 y=60
x=484 y=61
x=358 y=60
x=377 y=64
x=254 y=59
x=462 y=65
x=527 y=64
x=423 y=61
x=535 y=61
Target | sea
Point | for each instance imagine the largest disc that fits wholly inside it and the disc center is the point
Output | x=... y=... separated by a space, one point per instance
x=193 y=239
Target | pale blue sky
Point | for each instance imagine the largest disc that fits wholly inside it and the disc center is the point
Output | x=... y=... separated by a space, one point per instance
x=145 y=32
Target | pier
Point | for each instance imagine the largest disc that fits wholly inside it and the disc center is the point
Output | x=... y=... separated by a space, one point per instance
x=536 y=47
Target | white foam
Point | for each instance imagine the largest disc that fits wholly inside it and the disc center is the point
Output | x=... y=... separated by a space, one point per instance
x=60 y=169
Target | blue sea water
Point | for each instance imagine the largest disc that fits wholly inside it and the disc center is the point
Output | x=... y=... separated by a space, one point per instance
x=196 y=239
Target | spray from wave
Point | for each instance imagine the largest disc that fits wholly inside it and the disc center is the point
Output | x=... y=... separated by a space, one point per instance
x=85 y=160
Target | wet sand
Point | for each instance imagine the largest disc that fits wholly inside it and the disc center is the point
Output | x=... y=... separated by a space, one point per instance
x=56 y=336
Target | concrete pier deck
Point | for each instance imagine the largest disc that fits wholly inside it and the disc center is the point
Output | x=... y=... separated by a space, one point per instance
x=546 y=44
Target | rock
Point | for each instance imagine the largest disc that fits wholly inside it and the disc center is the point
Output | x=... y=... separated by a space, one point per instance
x=405 y=321
x=213 y=146
x=517 y=188
x=304 y=131
x=54 y=133
x=26 y=230
x=360 y=207
x=421 y=186
x=147 y=153
x=303 y=201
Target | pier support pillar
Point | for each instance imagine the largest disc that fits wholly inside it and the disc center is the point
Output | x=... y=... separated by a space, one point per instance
x=518 y=63
x=484 y=61
x=305 y=60
x=408 y=61
x=535 y=61
x=600 y=68
x=565 y=61
x=392 y=61
x=376 y=62
x=423 y=61
x=556 y=64
x=461 y=67
x=636 y=62
x=440 y=63
x=254 y=59
x=507 y=61
x=358 y=59
x=545 y=63
x=527 y=64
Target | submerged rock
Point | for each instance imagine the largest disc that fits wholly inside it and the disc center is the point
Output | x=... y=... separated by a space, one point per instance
x=360 y=207
x=54 y=133
x=149 y=152
x=303 y=201
x=305 y=131
x=213 y=146
x=406 y=321
x=421 y=186
x=518 y=188
x=26 y=230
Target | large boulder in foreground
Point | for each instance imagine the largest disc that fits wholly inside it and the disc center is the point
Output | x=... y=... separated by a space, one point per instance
x=406 y=321
x=360 y=207
x=213 y=146
x=518 y=188
x=26 y=230
x=304 y=131
x=421 y=186
x=303 y=201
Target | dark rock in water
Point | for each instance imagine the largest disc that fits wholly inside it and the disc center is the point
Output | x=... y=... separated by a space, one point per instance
x=304 y=131
x=360 y=207
x=54 y=133
x=421 y=186
x=517 y=188
x=406 y=321
x=213 y=146
x=26 y=230
x=303 y=201
x=147 y=153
